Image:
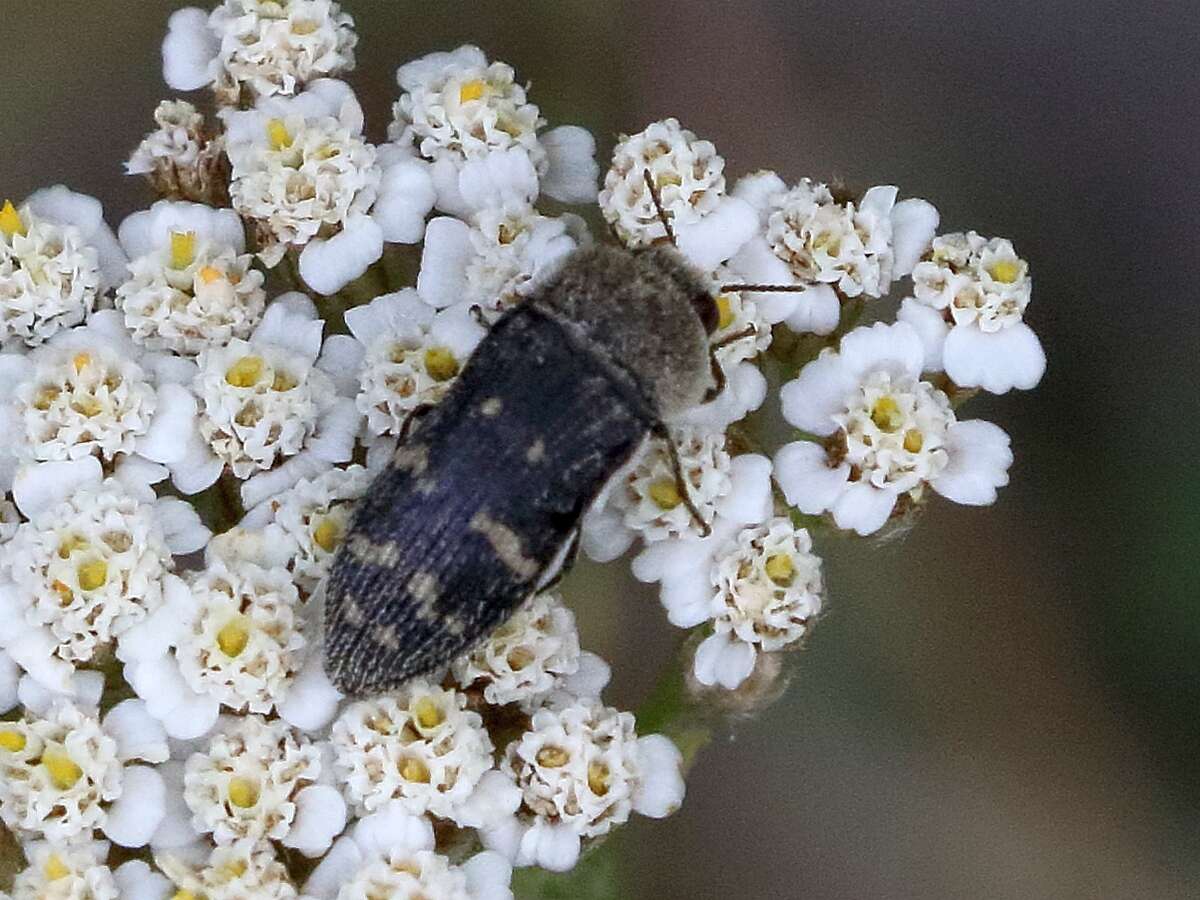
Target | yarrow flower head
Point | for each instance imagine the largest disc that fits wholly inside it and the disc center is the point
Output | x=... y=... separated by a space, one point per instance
x=230 y=872
x=180 y=158
x=970 y=295
x=66 y=872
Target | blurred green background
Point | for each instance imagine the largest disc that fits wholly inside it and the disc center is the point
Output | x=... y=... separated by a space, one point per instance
x=1006 y=703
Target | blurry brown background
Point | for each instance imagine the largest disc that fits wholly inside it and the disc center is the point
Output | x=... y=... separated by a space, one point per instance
x=1007 y=703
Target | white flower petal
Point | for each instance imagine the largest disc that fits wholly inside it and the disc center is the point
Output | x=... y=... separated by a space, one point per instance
x=312 y=700
x=503 y=179
x=758 y=188
x=181 y=525
x=660 y=789
x=749 y=499
x=495 y=798
x=406 y=196
x=996 y=361
x=10 y=677
x=604 y=535
x=552 y=847
x=572 y=173
x=138 y=734
x=979 y=459
x=137 y=881
x=895 y=347
x=914 y=223
x=720 y=659
x=337 y=867
x=320 y=816
x=687 y=598
x=863 y=508
x=802 y=470
x=930 y=327
x=190 y=50
x=175 y=830
x=719 y=235
x=166 y=440
x=393 y=828
x=591 y=678
x=444 y=260
x=39 y=486
x=488 y=876
x=817 y=310
x=134 y=816
x=328 y=265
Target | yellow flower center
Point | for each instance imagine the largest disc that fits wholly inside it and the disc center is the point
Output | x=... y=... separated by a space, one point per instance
x=277 y=135
x=519 y=657
x=12 y=740
x=665 y=493
x=327 y=534
x=886 y=414
x=663 y=179
x=246 y=372
x=233 y=637
x=209 y=274
x=183 y=249
x=913 y=440
x=183 y=895
x=55 y=868
x=243 y=792
x=45 y=397
x=10 y=220
x=63 y=770
x=780 y=568
x=1005 y=271
x=428 y=713
x=87 y=406
x=305 y=26
x=440 y=363
x=234 y=869
x=70 y=544
x=412 y=769
x=283 y=382
x=552 y=757
x=81 y=361
x=92 y=575
x=724 y=312
x=598 y=776
x=471 y=90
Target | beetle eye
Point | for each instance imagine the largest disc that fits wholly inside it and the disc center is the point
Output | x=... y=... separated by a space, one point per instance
x=706 y=309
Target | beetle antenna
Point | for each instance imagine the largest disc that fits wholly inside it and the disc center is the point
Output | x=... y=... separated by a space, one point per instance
x=764 y=288
x=748 y=331
x=681 y=484
x=662 y=215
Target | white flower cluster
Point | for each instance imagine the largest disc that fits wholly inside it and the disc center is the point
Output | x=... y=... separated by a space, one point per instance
x=163 y=687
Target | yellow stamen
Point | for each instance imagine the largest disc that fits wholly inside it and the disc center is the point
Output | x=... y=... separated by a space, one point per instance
x=471 y=90
x=87 y=406
x=412 y=769
x=327 y=534
x=1005 y=271
x=886 y=414
x=246 y=372
x=183 y=249
x=209 y=274
x=780 y=569
x=70 y=544
x=12 y=740
x=440 y=363
x=81 y=361
x=45 y=397
x=10 y=220
x=93 y=575
x=277 y=135
x=913 y=440
x=305 y=26
x=663 y=179
x=552 y=757
x=234 y=869
x=429 y=714
x=519 y=658
x=724 y=312
x=598 y=776
x=55 y=868
x=283 y=382
x=233 y=636
x=665 y=493
x=243 y=792
x=65 y=596
x=62 y=769
x=183 y=895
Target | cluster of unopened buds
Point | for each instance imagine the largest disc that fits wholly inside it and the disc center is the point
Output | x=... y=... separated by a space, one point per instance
x=190 y=406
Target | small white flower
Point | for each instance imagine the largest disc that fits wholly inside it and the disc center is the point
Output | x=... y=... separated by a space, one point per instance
x=391 y=854
x=886 y=434
x=809 y=238
x=527 y=657
x=260 y=46
x=421 y=747
x=582 y=770
x=244 y=644
x=411 y=355
x=709 y=225
x=234 y=872
x=248 y=782
x=66 y=872
x=178 y=157
x=57 y=257
x=473 y=121
x=191 y=284
x=970 y=296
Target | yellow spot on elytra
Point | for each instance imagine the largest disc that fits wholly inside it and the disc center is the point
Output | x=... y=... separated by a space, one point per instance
x=81 y=361
x=598 y=776
x=246 y=372
x=183 y=249
x=665 y=493
x=471 y=90
x=412 y=769
x=243 y=792
x=63 y=770
x=440 y=363
x=428 y=713
x=209 y=274
x=92 y=575
x=55 y=868
x=886 y=414
x=519 y=657
x=10 y=220
x=552 y=757
x=233 y=636
x=724 y=312
x=1005 y=271
x=277 y=135
x=12 y=740
x=305 y=26
x=327 y=534
x=283 y=382
x=913 y=440
x=780 y=569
